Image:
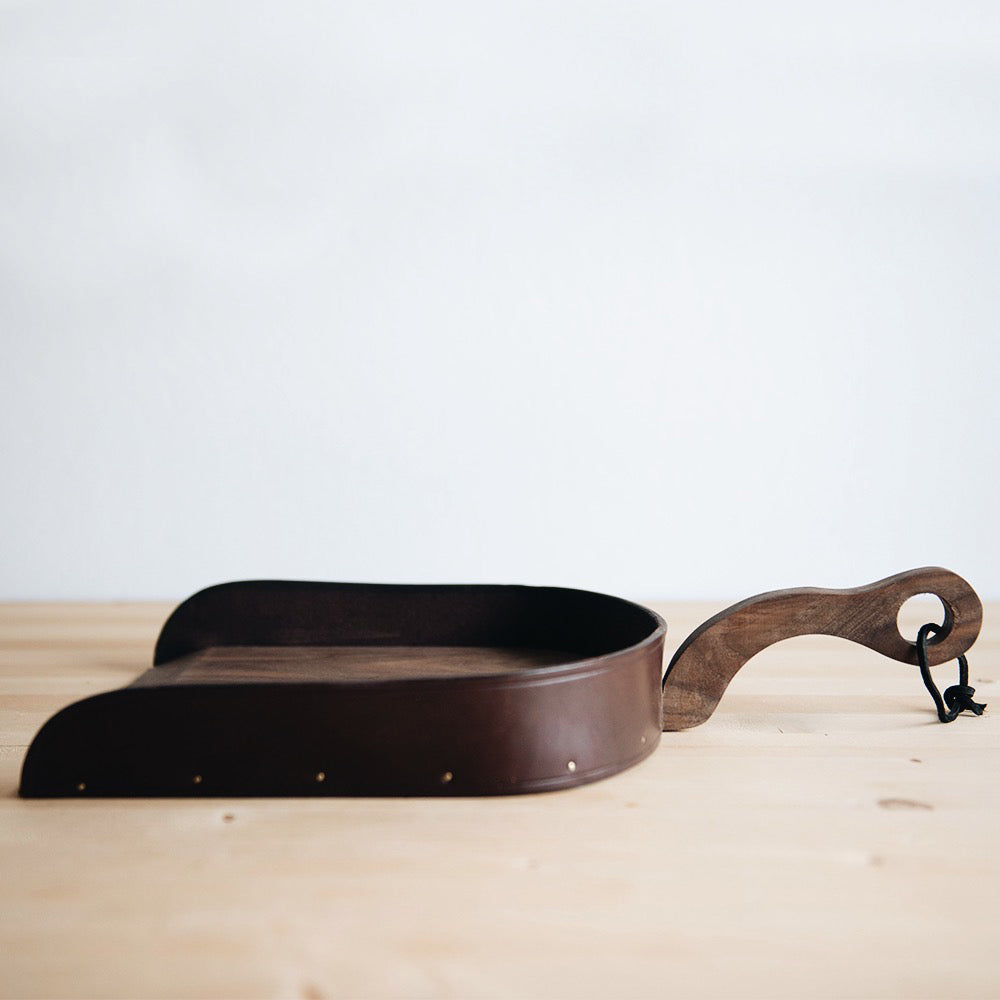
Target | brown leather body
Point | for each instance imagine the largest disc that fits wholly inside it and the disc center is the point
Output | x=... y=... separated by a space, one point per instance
x=288 y=688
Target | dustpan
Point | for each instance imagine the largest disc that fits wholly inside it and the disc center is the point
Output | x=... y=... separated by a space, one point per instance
x=283 y=688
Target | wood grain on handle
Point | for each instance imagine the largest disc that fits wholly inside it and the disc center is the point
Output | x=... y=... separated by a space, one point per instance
x=709 y=658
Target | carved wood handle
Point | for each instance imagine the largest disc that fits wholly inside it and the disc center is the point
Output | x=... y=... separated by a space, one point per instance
x=709 y=658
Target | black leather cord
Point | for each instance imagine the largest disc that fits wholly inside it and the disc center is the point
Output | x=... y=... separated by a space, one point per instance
x=957 y=698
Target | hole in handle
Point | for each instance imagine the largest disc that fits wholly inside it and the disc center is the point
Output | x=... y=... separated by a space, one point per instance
x=917 y=611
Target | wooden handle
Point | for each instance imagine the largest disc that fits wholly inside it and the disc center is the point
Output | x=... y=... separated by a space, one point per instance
x=709 y=658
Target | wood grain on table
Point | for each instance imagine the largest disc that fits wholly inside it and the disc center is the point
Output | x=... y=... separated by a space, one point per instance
x=821 y=835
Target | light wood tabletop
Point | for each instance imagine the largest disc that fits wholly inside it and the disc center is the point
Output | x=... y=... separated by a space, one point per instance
x=822 y=835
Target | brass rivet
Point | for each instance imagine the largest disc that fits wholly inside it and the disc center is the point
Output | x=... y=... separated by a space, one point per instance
x=82 y=786
x=446 y=777
x=321 y=775
x=197 y=779
x=571 y=766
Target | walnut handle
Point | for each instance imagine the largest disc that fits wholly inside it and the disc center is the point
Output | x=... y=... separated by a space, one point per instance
x=709 y=658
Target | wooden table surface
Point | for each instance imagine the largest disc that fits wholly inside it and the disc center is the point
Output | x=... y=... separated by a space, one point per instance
x=821 y=836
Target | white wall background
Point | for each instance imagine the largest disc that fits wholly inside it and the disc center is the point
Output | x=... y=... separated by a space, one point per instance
x=663 y=299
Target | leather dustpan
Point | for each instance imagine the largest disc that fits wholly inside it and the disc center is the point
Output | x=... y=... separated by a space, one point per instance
x=283 y=688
